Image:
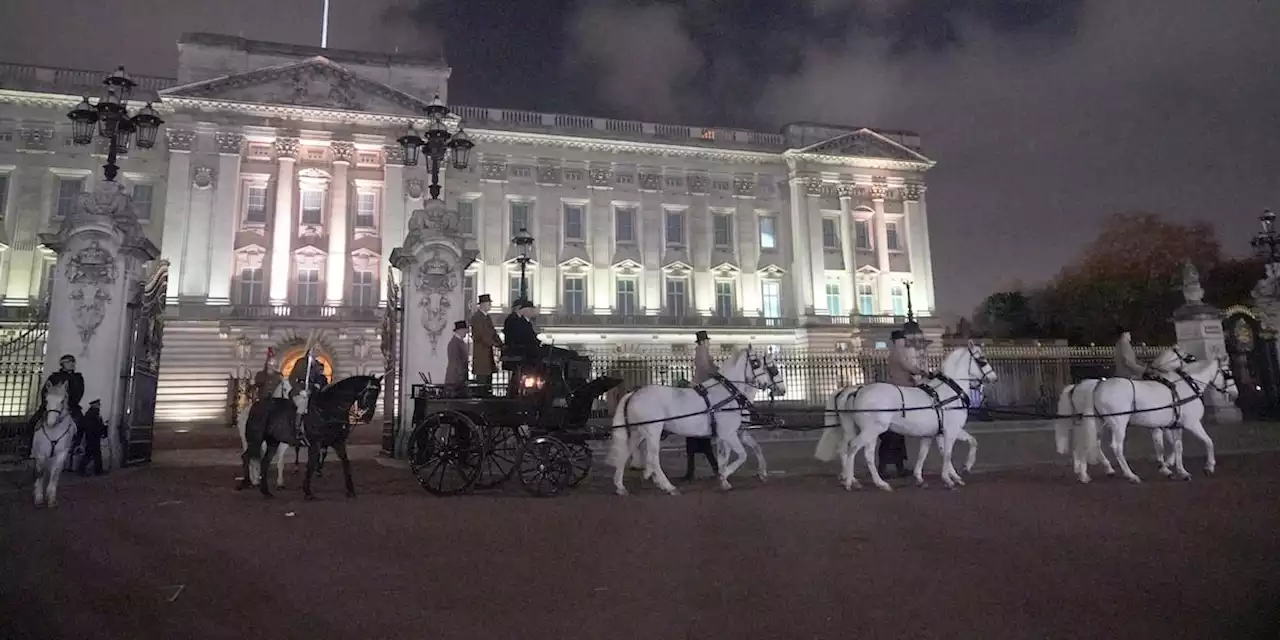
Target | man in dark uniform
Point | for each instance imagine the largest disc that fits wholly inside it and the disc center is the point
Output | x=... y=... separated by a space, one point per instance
x=92 y=429
x=455 y=373
x=703 y=368
x=484 y=339
x=67 y=375
x=266 y=380
x=298 y=378
x=522 y=346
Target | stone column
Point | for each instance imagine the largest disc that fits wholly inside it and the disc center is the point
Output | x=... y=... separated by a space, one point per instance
x=177 y=203
x=336 y=265
x=918 y=248
x=101 y=251
x=283 y=225
x=1199 y=330
x=884 y=284
x=391 y=228
x=848 y=283
x=195 y=261
x=799 y=218
x=226 y=218
x=431 y=262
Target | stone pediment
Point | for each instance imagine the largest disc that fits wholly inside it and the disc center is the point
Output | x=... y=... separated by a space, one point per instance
x=768 y=267
x=315 y=83
x=574 y=252
x=726 y=270
x=865 y=143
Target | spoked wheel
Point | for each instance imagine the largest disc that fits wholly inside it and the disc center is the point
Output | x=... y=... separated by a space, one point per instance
x=502 y=451
x=446 y=452
x=580 y=459
x=546 y=466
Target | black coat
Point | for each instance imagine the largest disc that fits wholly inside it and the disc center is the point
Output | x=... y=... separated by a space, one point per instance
x=521 y=340
x=92 y=425
x=75 y=390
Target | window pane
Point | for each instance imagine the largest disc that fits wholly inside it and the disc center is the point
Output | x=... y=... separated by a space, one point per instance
x=675 y=228
x=256 y=205
x=68 y=193
x=312 y=204
x=626 y=303
x=768 y=232
x=308 y=288
x=4 y=194
x=724 y=299
x=891 y=236
x=366 y=210
x=830 y=233
x=519 y=217
x=513 y=288
x=898 y=298
x=467 y=219
x=771 y=297
x=625 y=225
x=676 y=301
x=575 y=295
x=142 y=200
x=469 y=291
x=833 y=299
x=573 y=215
x=364 y=289
x=866 y=300
x=722 y=229
x=251 y=290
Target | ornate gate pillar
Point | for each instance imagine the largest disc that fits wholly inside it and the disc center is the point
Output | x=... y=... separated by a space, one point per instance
x=102 y=252
x=431 y=263
x=1198 y=327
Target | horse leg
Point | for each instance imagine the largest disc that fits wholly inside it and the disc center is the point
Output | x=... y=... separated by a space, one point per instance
x=341 y=450
x=973 y=450
x=734 y=443
x=313 y=461
x=621 y=451
x=41 y=472
x=1119 y=428
x=849 y=460
x=921 y=455
x=247 y=480
x=284 y=450
x=268 y=450
x=1197 y=430
x=950 y=476
x=868 y=441
x=762 y=469
x=653 y=462
x=55 y=472
x=1179 y=470
x=1157 y=442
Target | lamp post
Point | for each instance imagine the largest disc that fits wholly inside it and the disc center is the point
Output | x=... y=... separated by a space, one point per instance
x=911 y=328
x=1266 y=243
x=523 y=240
x=436 y=143
x=111 y=115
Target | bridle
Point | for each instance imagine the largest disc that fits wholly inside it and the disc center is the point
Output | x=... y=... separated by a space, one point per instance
x=753 y=365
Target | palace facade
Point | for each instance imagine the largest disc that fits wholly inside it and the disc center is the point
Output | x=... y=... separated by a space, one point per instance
x=279 y=193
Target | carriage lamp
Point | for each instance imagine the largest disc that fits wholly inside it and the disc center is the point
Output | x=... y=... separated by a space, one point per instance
x=1266 y=243
x=112 y=120
x=437 y=144
x=531 y=382
x=523 y=240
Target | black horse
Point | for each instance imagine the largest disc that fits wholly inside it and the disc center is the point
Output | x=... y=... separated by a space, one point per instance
x=327 y=423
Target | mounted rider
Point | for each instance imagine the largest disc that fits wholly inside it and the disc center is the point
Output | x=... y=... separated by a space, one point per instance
x=1128 y=365
x=266 y=381
x=904 y=362
x=66 y=374
x=703 y=370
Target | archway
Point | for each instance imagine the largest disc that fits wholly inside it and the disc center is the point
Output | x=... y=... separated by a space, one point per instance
x=293 y=355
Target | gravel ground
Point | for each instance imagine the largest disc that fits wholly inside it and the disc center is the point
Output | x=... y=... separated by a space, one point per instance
x=176 y=553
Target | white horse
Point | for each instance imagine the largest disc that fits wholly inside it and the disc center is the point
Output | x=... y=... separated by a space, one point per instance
x=1077 y=417
x=1120 y=402
x=912 y=411
x=282 y=390
x=838 y=421
x=637 y=459
x=51 y=444
x=652 y=409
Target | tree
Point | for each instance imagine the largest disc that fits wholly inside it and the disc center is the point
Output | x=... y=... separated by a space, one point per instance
x=1232 y=281
x=1130 y=276
x=1006 y=315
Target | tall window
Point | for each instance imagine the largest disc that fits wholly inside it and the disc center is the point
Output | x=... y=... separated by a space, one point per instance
x=468 y=291
x=366 y=210
x=255 y=204
x=312 y=206
x=68 y=192
x=722 y=229
x=308 y=293
x=677 y=300
x=575 y=295
x=624 y=224
x=866 y=299
x=4 y=194
x=891 y=239
x=898 y=298
x=513 y=287
x=251 y=289
x=142 y=200
x=768 y=232
x=364 y=289
x=467 y=218
x=519 y=216
x=771 y=298
x=833 y=299
x=862 y=232
x=675 y=228
x=627 y=302
x=574 y=217
x=830 y=233
x=724 y=299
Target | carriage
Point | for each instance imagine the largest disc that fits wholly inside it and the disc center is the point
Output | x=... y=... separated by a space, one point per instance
x=462 y=442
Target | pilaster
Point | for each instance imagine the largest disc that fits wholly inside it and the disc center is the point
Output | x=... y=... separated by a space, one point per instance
x=799 y=218
x=196 y=255
x=848 y=281
x=884 y=282
x=286 y=149
x=336 y=265
x=225 y=216
x=393 y=210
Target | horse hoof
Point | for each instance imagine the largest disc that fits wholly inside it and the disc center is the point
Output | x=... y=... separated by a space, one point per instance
x=621 y=491
x=1135 y=480
x=1085 y=479
x=763 y=477
x=1184 y=477
x=1208 y=472
x=921 y=484
x=1164 y=471
x=885 y=487
x=53 y=504
x=673 y=491
x=1111 y=473
x=39 y=504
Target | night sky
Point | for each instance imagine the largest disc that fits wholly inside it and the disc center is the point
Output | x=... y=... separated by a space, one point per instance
x=1044 y=116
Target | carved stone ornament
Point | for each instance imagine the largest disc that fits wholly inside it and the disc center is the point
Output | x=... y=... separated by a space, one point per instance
x=413 y=188
x=343 y=152
x=912 y=191
x=90 y=272
x=314 y=86
x=36 y=138
x=229 y=143
x=179 y=139
x=433 y=221
x=878 y=191
x=846 y=191
x=493 y=170
x=435 y=279
x=203 y=177
x=393 y=153
x=651 y=181
x=600 y=177
x=744 y=186
x=548 y=174
x=813 y=186
x=697 y=184
x=1191 y=289
x=287 y=147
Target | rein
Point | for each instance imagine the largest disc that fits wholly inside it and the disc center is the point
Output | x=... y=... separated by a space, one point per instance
x=750 y=364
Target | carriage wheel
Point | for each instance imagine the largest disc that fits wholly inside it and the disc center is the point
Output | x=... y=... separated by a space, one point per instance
x=546 y=466
x=445 y=453
x=580 y=458
x=501 y=452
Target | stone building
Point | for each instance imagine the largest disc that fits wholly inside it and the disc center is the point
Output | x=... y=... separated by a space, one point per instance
x=279 y=193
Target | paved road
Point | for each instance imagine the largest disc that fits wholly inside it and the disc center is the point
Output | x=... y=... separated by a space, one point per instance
x=169 y=553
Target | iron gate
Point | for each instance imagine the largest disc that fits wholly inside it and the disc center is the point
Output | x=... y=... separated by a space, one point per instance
x=23 y=341
x=141 y=369
x=391 y=343
x=1252 y=353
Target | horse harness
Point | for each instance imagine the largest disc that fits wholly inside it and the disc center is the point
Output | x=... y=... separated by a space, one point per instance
x=1177 y=403
x=939 y=406
x=53 y=444
x=735 y=396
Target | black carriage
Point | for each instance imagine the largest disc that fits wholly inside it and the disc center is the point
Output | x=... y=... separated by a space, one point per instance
x=463 y=441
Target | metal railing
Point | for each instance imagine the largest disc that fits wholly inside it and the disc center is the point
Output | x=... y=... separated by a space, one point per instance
x=270 y=312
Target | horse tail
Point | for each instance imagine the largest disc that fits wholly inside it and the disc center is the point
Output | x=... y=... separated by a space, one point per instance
x=831 y=417
x=833 y=434
x=620 y=450
x=1066 y=416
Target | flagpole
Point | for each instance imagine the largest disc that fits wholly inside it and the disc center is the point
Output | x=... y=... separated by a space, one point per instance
x=324 y=27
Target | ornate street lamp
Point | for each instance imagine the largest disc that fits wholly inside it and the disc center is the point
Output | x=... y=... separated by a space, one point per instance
x=111 y=115
x=1266 y=243
x=436 y=142
x=523 y=240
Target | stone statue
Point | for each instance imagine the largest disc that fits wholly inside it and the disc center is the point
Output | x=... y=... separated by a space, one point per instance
x=1191 y=289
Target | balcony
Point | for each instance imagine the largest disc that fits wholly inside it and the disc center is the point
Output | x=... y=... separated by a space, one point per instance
x=856 y=320
x=573 y=320
x=250 y=313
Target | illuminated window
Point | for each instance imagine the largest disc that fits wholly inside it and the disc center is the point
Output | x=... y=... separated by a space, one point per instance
x=624 y=225
x=768 y=232
x=891 y=236
x=519 y=216
x=307 y=289
x=898 y=298
x=866 y=299
x=251 y=288
x=575 y=295
x=833 y=299
x=312 y=206
x=830 y=233
x=725 y=302
x=366 y=210
x=722 y=229
x=255 y=204
x=677 y=300
x=364 y=289
x=675 y=228
x=627 y=302
x=771 y=298
x=573 y=222
x=862 y=233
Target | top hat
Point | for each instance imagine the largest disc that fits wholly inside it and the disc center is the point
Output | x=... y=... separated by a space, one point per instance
x=95 y=403
x=484 y=297
x=459 y=325
x=898 y=334
x=701 y=336
x=1121 y=330
x=523 y=304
